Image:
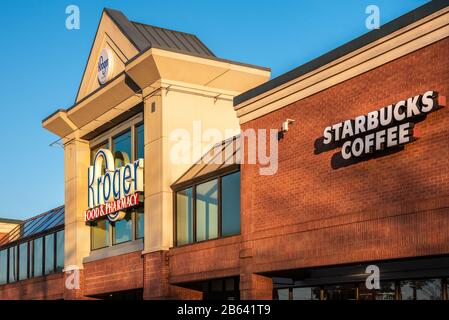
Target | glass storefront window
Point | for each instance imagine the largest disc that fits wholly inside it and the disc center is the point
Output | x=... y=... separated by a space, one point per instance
x=230 y=201
x=207 y=210
x=340 y=292
x=283 y=294
x=121 y=148
x=49 y=253
x=306 y=293
x=38 y=251
x=429 y=289
x=3 y=266
x=23 y=261
x=184 y=216
x=123 y=229
x=60 y=251
x=140 y=152
x=12 y=264
x=94 y=151
x=386 y=292
x=100 y=234
x=126 y=146
x=140 y=223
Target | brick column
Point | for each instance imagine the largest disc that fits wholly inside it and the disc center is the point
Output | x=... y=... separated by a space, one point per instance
x=73 y=293
x=255 y=287
x=155 y=280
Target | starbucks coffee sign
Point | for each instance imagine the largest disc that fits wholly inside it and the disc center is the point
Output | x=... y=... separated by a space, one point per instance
x=379 y=130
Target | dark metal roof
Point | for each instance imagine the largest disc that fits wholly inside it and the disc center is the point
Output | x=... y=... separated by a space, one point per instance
x=47 y=221
x=222 y=157
x=390 y=27
x=145 y=36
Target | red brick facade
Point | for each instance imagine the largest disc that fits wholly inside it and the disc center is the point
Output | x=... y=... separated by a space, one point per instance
x=120 y=273
x=49 y=287
x=309 y=214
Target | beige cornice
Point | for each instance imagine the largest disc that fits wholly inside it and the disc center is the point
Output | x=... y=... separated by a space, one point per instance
x=166 y=69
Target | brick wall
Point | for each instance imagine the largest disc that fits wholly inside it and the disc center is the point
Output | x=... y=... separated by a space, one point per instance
x=124 y=272
x=211 y=259
x=41 y=288
x=156 y=279
x=309 y=214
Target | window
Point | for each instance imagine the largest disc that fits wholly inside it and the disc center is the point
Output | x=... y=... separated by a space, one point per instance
x=123 y=229
x=93 y=151
x=38 y=252
x=340 y=292
x=306 y=293
x=23 y=261
x=230 y=200
x=386 y=292
x=100 y=234
x=207 y=210
x=49 y=253
x=140 y=151
x=60 y=251
x=32 y=258
x=3 y=266
x=126 y=142
x=430 y=289
x=12 y=264
x=283 y=294
x=121 y=149
x=140 y=223
x=184 y=216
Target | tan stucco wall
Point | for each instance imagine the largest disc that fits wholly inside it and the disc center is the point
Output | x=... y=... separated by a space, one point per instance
x=176 y=110
x=184 y=89
x=5 y=228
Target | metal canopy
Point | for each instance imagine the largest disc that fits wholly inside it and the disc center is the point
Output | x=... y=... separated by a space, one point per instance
x=32 y=227
x=222 y=157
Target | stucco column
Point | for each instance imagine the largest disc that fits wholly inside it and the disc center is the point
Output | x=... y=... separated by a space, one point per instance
x=77 y=234
x=158 y=200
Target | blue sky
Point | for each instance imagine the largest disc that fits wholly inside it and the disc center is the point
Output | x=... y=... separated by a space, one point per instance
x=42 y=63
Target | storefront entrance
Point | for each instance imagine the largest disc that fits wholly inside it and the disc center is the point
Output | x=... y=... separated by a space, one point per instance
x=217 y=289
x=419 y=279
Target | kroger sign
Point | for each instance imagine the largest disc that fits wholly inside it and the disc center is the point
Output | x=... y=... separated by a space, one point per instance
x=105 y=66
x=109 y=194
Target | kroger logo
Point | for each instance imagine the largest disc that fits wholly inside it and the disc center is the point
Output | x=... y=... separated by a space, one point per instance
x=111 y=190
x=103 y=65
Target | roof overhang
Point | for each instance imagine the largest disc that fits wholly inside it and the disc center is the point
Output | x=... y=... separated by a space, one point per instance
x=408 y=33
x=125 y=90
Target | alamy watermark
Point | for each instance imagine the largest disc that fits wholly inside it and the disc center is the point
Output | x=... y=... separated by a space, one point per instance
x=258 y=147
x=373 y=280
x=72 y=280
x=72 y=21
x=373 y=19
